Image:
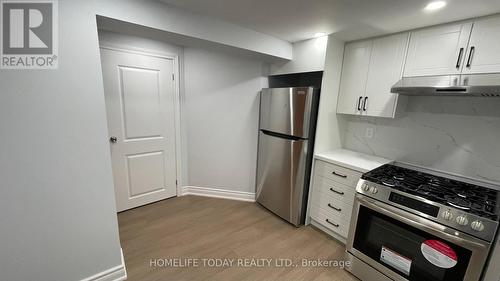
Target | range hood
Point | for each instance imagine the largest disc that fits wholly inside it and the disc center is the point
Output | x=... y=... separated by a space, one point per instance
x=480 y=85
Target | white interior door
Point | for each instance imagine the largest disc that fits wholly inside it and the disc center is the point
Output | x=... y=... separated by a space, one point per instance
x=139 y=91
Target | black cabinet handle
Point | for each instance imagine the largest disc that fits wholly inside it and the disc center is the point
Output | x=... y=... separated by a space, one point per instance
x=459 y=60
x=336 y=191
x=334 y=224
x=364 y=103
x=359 y=103
x=335 y=208
x=471 y=56
x=339 y=175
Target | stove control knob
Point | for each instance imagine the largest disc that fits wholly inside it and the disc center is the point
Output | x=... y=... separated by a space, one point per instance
x=373 y=190
x=462 y=220
x=477 y=226
x=447 y=215
x=365 y=187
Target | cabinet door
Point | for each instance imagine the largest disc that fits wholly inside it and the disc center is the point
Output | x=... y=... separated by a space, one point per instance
x=438 y=50
x=386 y=67
x=484 y=45
x=354 y=75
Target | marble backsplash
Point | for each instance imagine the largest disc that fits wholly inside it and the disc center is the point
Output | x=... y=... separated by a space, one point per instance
x=459 y=135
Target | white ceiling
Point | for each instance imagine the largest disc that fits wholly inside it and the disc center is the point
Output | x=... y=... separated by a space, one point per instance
x=295 y=20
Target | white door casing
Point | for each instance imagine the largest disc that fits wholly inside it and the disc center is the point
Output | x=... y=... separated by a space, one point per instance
x=139 y=92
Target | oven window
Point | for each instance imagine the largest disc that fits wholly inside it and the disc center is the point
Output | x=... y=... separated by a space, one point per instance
x=407 y=250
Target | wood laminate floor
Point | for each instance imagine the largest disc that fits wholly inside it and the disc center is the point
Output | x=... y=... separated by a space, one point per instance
x=192 y=227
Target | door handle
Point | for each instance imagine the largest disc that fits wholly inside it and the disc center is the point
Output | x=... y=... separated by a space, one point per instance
x=459 y=60
x=113 y=139
x=364 y=103
x=359 y=103
x=471 y=56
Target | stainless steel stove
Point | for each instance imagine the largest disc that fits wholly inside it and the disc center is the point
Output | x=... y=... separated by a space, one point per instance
x=416 y=224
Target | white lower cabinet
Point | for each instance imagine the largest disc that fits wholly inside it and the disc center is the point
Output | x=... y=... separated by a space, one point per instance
x=333 y=190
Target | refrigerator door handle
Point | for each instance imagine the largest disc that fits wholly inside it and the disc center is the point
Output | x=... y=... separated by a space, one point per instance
x=281 y=136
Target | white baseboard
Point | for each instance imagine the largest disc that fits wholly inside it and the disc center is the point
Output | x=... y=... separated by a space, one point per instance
x=218 y=193
x=117 y=273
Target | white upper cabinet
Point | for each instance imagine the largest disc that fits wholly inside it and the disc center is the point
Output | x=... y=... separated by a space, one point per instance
x=437 y=50
x=354 y=76
x=483 y=54
x=371 y=67
x=386 y=67
x=369 y=70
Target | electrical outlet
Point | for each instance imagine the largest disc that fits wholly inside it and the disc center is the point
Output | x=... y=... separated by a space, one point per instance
x=369 y=132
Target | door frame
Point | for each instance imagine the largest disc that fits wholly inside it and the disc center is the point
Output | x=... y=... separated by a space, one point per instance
x=177 y=98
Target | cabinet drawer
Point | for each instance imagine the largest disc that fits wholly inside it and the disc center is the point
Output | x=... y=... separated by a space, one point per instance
x=335 y=208
x=337 y=173
x=326 y=187
x=334 y=224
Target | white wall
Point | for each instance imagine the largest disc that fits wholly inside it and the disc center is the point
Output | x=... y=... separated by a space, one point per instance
x=160 y=16
x=57 y=208
x=221 y=117
x=329 y=126
x=308 y=55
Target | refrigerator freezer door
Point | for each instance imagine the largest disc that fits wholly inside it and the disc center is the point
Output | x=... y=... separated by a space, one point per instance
x=286 y=110
x=280 y=176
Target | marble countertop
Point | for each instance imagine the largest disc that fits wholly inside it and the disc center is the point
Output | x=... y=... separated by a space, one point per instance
x=353 y=160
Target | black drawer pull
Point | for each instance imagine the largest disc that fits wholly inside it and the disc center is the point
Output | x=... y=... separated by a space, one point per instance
x=334 y=224
x=335 y=208
x=459 y=60
x=339 y=175
x=471 y=55
x=336 y=191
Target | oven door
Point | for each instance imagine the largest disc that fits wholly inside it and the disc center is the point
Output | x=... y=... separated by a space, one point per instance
x=404 y=246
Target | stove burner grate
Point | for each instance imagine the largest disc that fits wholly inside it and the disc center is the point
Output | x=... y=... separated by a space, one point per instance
x=389 y=182
x=465 y=196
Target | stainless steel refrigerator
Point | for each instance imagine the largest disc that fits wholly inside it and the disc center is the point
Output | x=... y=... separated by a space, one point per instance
x=286 y=139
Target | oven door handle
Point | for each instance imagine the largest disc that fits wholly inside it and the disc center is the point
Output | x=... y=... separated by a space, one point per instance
x=426 y=225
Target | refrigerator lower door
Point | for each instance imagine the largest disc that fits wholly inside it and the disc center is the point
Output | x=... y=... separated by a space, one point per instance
x=280 y=176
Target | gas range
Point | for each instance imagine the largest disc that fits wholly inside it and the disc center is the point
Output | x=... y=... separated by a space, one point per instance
x=463 y=206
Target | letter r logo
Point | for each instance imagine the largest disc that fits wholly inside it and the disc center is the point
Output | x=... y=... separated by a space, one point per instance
x=27 y=28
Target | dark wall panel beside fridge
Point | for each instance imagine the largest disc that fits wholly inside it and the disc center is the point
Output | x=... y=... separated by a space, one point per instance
x=286 y=139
